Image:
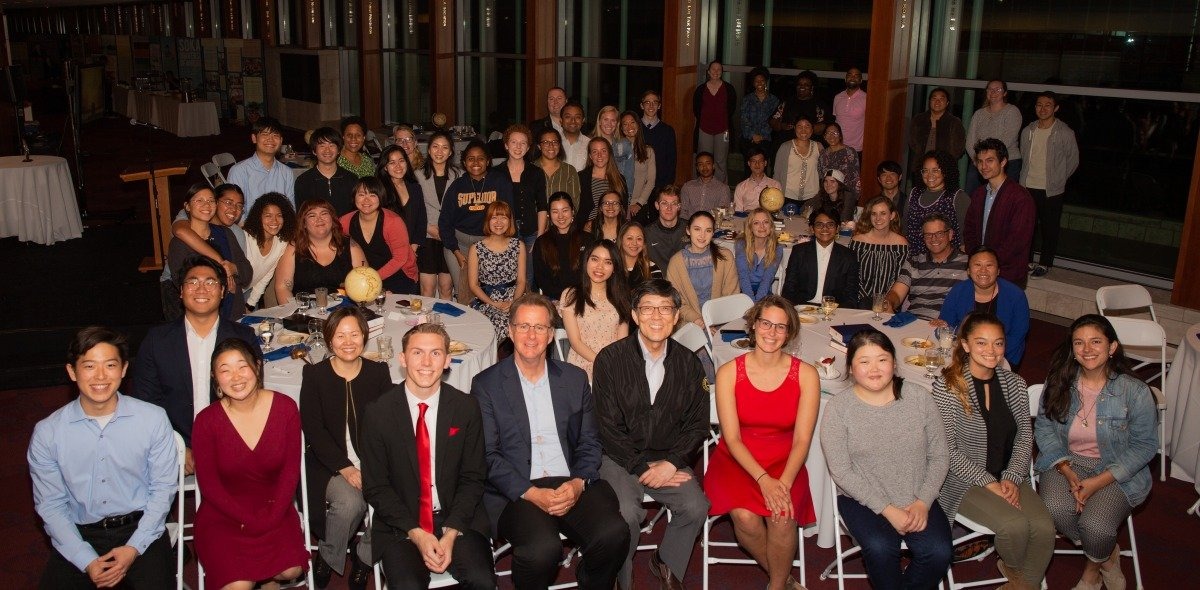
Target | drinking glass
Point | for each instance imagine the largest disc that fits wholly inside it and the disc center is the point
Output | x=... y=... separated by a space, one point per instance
x=384 y=343
x=265 y=335
x=828 y=305
x=933 y=362
x=878 y=305
x=322 y=294
x=945 y=338
x=305 y=301
x=380 y=299
x=434 y=318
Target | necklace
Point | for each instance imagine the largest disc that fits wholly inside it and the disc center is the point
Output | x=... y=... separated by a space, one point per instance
x=803 y=163
x=1086 y=411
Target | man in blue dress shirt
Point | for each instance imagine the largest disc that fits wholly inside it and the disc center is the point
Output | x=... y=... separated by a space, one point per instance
x=262 y=173
x=104 y=474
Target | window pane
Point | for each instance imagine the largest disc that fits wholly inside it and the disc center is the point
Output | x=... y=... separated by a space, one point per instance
x=406 y=24
x=408 y=89
x=597 y=85
x=493 y=26
x=494 y=92
x=615 y=29
x=813 y=35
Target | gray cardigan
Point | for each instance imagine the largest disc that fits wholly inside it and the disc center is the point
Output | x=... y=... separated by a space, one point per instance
x=966 y=437
x=1062 y=156
x=433 y=201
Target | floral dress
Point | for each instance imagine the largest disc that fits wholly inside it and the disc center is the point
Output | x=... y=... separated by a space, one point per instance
x=498 y=278
x=598 y=328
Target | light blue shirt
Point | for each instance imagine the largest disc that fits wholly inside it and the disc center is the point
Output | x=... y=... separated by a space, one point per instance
x=989 y=199
x=83 y=473
x=546 y=454
x=255 y=180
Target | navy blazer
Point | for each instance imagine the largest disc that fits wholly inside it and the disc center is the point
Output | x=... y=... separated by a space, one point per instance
x=506 y=429
x=841 y=277
x=162 y=373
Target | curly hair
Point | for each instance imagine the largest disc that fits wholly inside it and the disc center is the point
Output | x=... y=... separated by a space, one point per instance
x=254 y=226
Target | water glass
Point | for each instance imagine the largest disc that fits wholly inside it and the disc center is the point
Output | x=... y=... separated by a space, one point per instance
x=878 y=305
x=305 y=301
x=380 y=299
x=828 y=305
x=434 y=318
x=384 y=344
x=933 y=362
x=315 y=332
x=322 y=294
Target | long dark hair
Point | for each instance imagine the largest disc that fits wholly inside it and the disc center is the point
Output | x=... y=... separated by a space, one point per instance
x=615 y=288
x=390 y=197
x=872 y=336
x=427 y=167
x=548 y=251
x=953 y=373
x=713 y=248
x=254 y=226
x=949 y=167
x=1064 y=369
x=639 y=141
x=643 y=259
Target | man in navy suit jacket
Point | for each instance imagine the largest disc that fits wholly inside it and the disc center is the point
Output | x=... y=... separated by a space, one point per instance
x=172 y=369
x=543 y=454
x=822 y=266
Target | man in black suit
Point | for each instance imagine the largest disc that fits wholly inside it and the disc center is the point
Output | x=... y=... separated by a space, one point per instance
x=821 y=266
x=423 y=473
x=543 y=454
x=172 y=369
x=556 y=99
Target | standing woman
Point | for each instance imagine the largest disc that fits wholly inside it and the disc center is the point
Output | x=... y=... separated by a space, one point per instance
x=201 y=207
x=702 y=270
x=606 y=124
x=382 y=235
x=996 y=118
x=714 y=103
x=353 y=158
x=839 y=156
x=880 y=248
x=935 y=129
x=638 y=169
x=320 y=256
x=887 y=493
x=767 y=402
x=638 y=266
x=247 y=453
x=271 y=223
x=985 y=409
x=496 y=267
x=608 y=224
x=757 y=108
x=596 y=313
x=938 y=192
x=404 y=137
x=402 y=194
x=437 y=266
x=334 y=396
x=1096 y=435
x=461 y=222
x=528 y=189
x=758 y=255
x=796 y=164
x=560 y=176
x=601 y=176
x=557 y=253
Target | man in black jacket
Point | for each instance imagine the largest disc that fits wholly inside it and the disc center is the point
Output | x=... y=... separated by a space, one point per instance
x=326 y=180
x=652 y=408
x=822 y=266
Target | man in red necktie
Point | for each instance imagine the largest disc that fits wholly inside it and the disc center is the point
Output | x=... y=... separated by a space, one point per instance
x=425 y=481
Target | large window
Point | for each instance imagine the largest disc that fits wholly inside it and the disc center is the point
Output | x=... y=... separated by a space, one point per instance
x=825 y=35
x=407 y=75
x=610 y=52
x=491 y=64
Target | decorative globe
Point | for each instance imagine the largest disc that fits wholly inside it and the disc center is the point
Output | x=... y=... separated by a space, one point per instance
x=438 y=120
x=771 y=199
x=363 y=284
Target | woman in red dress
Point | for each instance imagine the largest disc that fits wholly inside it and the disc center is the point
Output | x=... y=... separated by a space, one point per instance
x=247 y=452
x=757 y=473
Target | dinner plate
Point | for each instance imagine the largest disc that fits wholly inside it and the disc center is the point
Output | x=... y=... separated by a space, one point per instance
x=290 y=338
x=742 y=344
x=915 y=360
x=806 y=308
x=914 y=342
x=807 y=319
x=458 y=348
x=372 y=355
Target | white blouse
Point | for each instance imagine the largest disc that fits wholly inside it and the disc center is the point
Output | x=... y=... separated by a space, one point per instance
x=264 y=266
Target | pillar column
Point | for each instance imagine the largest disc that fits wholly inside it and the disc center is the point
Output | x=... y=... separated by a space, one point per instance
x=887 y=91
x=445 y=65
x=541 y=53
x=370 y=67
x=1187 y=289
x=681 y=53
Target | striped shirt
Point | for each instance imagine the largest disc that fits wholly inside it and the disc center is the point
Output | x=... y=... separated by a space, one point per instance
x=565 y=179
x=928 y=282
x=878 y=266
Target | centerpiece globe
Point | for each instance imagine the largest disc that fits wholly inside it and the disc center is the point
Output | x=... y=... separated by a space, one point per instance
x=771 y=199
x=363 y=285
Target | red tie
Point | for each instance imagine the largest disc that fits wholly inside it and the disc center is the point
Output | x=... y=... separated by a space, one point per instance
x=426 y=468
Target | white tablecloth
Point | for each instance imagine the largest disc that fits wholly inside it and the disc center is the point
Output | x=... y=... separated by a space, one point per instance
x=472 y=328
x=183 y=119
x=37 y=200
x=814 y=345
x=1183 y=408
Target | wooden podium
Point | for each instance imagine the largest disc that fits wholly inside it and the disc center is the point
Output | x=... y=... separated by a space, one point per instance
x=160 y=211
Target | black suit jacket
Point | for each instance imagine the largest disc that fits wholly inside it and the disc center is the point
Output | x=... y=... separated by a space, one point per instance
x=841 y=278
x=162 y=372
x=391 y=482
x=506 y=428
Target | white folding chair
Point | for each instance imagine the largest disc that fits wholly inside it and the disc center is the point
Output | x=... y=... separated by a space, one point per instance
x=212 y=174
x=707 y=544
x=177 y=532
x=1147 y=335
x=974 y=531
x=1128 y=302
x=302 y=509
x=224 y=159
x=560 y=336
x=1131 y=552
x=692 y=337
x=724 y=309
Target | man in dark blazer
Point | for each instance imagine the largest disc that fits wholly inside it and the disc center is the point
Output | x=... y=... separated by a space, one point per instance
x=172 y=369
x=804 y=282
x=543 y=454
x=1005 y=221
x=446 y=528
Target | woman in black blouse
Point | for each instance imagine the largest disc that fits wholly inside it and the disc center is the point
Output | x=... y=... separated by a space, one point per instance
x=403 y=193
x=556 y=253
x=319 y=256
x=333 y=398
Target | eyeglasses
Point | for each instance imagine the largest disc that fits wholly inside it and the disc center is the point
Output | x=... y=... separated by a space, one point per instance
x=406 y=141
x=668 y=204
x=825 y=225
x=767 y=326
x=232 y=203
x=995 y=90
x=539 y=329
x=648 y=310
x=549 y=142
x=928 y=171
x=933 y=235
x=647 y=103
x=610 y=204
x=194 y=283
x=353 y=136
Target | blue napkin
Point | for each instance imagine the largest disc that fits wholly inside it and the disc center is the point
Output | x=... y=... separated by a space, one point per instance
x=456 y=361
x=732 y=335
x=741 y=214
x=345 y=302
x=448 y=309
x=250 y=320
x=900 y=320
x=280 y=353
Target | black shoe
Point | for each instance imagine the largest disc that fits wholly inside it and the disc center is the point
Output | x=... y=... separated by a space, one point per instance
x=360 y=572
x=666 y=580
x=322 y=572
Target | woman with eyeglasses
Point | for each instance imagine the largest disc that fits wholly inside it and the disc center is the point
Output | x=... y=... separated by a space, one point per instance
x=767 y=403
x=353 y=158
x=560 y=176
x=702 y=270
x=596 y=313
x=938 y=192
x=403 y=136
x=1000 y=119
x=608 y=224
x=320 y=256
x=200 y=204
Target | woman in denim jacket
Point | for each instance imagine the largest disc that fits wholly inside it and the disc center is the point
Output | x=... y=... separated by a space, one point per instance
x=1096 y=433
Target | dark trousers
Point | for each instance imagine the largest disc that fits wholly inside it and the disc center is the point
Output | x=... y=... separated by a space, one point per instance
x=470 y=562
x=931 y=548
x=594 y=524
x=1049 y=220
x=152 y=570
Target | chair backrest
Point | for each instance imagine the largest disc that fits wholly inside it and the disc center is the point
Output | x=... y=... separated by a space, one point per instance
x=725 y=309
x=1035 y=399
x=1124 y=298
x=691 y=337
x=372 y=145
x=212 y=174
x=560 y=335
x=224 y=159
x=1135 y=332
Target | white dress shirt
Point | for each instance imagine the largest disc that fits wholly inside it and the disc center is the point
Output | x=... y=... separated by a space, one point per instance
x=545 y=452
x=576 y=154
x=200 y=350
x=431 y=425
x=823 y=254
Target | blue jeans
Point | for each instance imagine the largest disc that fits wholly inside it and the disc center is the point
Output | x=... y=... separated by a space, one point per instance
x=931 y=548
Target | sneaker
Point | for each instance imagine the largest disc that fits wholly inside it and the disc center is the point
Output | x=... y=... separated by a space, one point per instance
x=1039 y=271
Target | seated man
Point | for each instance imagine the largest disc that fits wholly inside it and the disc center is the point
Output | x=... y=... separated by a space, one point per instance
x=543 y=456
x=652 y=408
x=261 y=173
x=821 y=266
x=705 y=192
x=327 y=180
x=104 y=474
x=926 y=278
x=423 y=473
x=172 y=370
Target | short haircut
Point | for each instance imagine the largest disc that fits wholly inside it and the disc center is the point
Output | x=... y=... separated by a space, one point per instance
x=475 y=144
x=353 y=120
x=266 y=124
x=496 y=208
x=889 y=166
x=993 y=144
x=806 y=75
x=653 y=93
x=519 y=128
x=87 y=339
x=669 y=189
x=936 y=217
x=426 y=328
x=942 y=91
x=1050 y=94
x=534 y=300
x=197 y=260
x=706 y=155
x=983 y=250
x=828 y=211
x=558 y=88
x=331 y=323
x=228 y=187
x=755 y=150
x=324 y=135
x=572 y=104
x=656 y=287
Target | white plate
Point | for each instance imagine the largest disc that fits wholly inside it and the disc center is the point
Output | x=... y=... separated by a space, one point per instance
x=807 y=319
x=290 y=338
x=806 y=308
x=741 y=344
x=919 y=343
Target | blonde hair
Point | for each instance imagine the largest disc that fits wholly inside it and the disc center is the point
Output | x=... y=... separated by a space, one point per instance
x=417 y=159
x=616 y=132
x=748 y=238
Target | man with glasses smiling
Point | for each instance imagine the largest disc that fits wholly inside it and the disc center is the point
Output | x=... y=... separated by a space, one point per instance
x=652 y=408
x=660 y=136
x=821 y=266
x=926 y=278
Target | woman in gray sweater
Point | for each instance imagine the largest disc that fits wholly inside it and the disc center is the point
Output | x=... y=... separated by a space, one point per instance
x=886 y=450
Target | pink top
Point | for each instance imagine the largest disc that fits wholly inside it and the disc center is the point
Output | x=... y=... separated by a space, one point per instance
x=1081 y=439
x=745 y=194
x=395 y=235
x=851 y=114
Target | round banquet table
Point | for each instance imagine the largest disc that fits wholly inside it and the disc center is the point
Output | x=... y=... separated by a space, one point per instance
x=37 y=200
x=471 y=328
x=1183 y=408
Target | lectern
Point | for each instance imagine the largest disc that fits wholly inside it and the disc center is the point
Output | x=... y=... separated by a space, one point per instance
x=158 y=181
